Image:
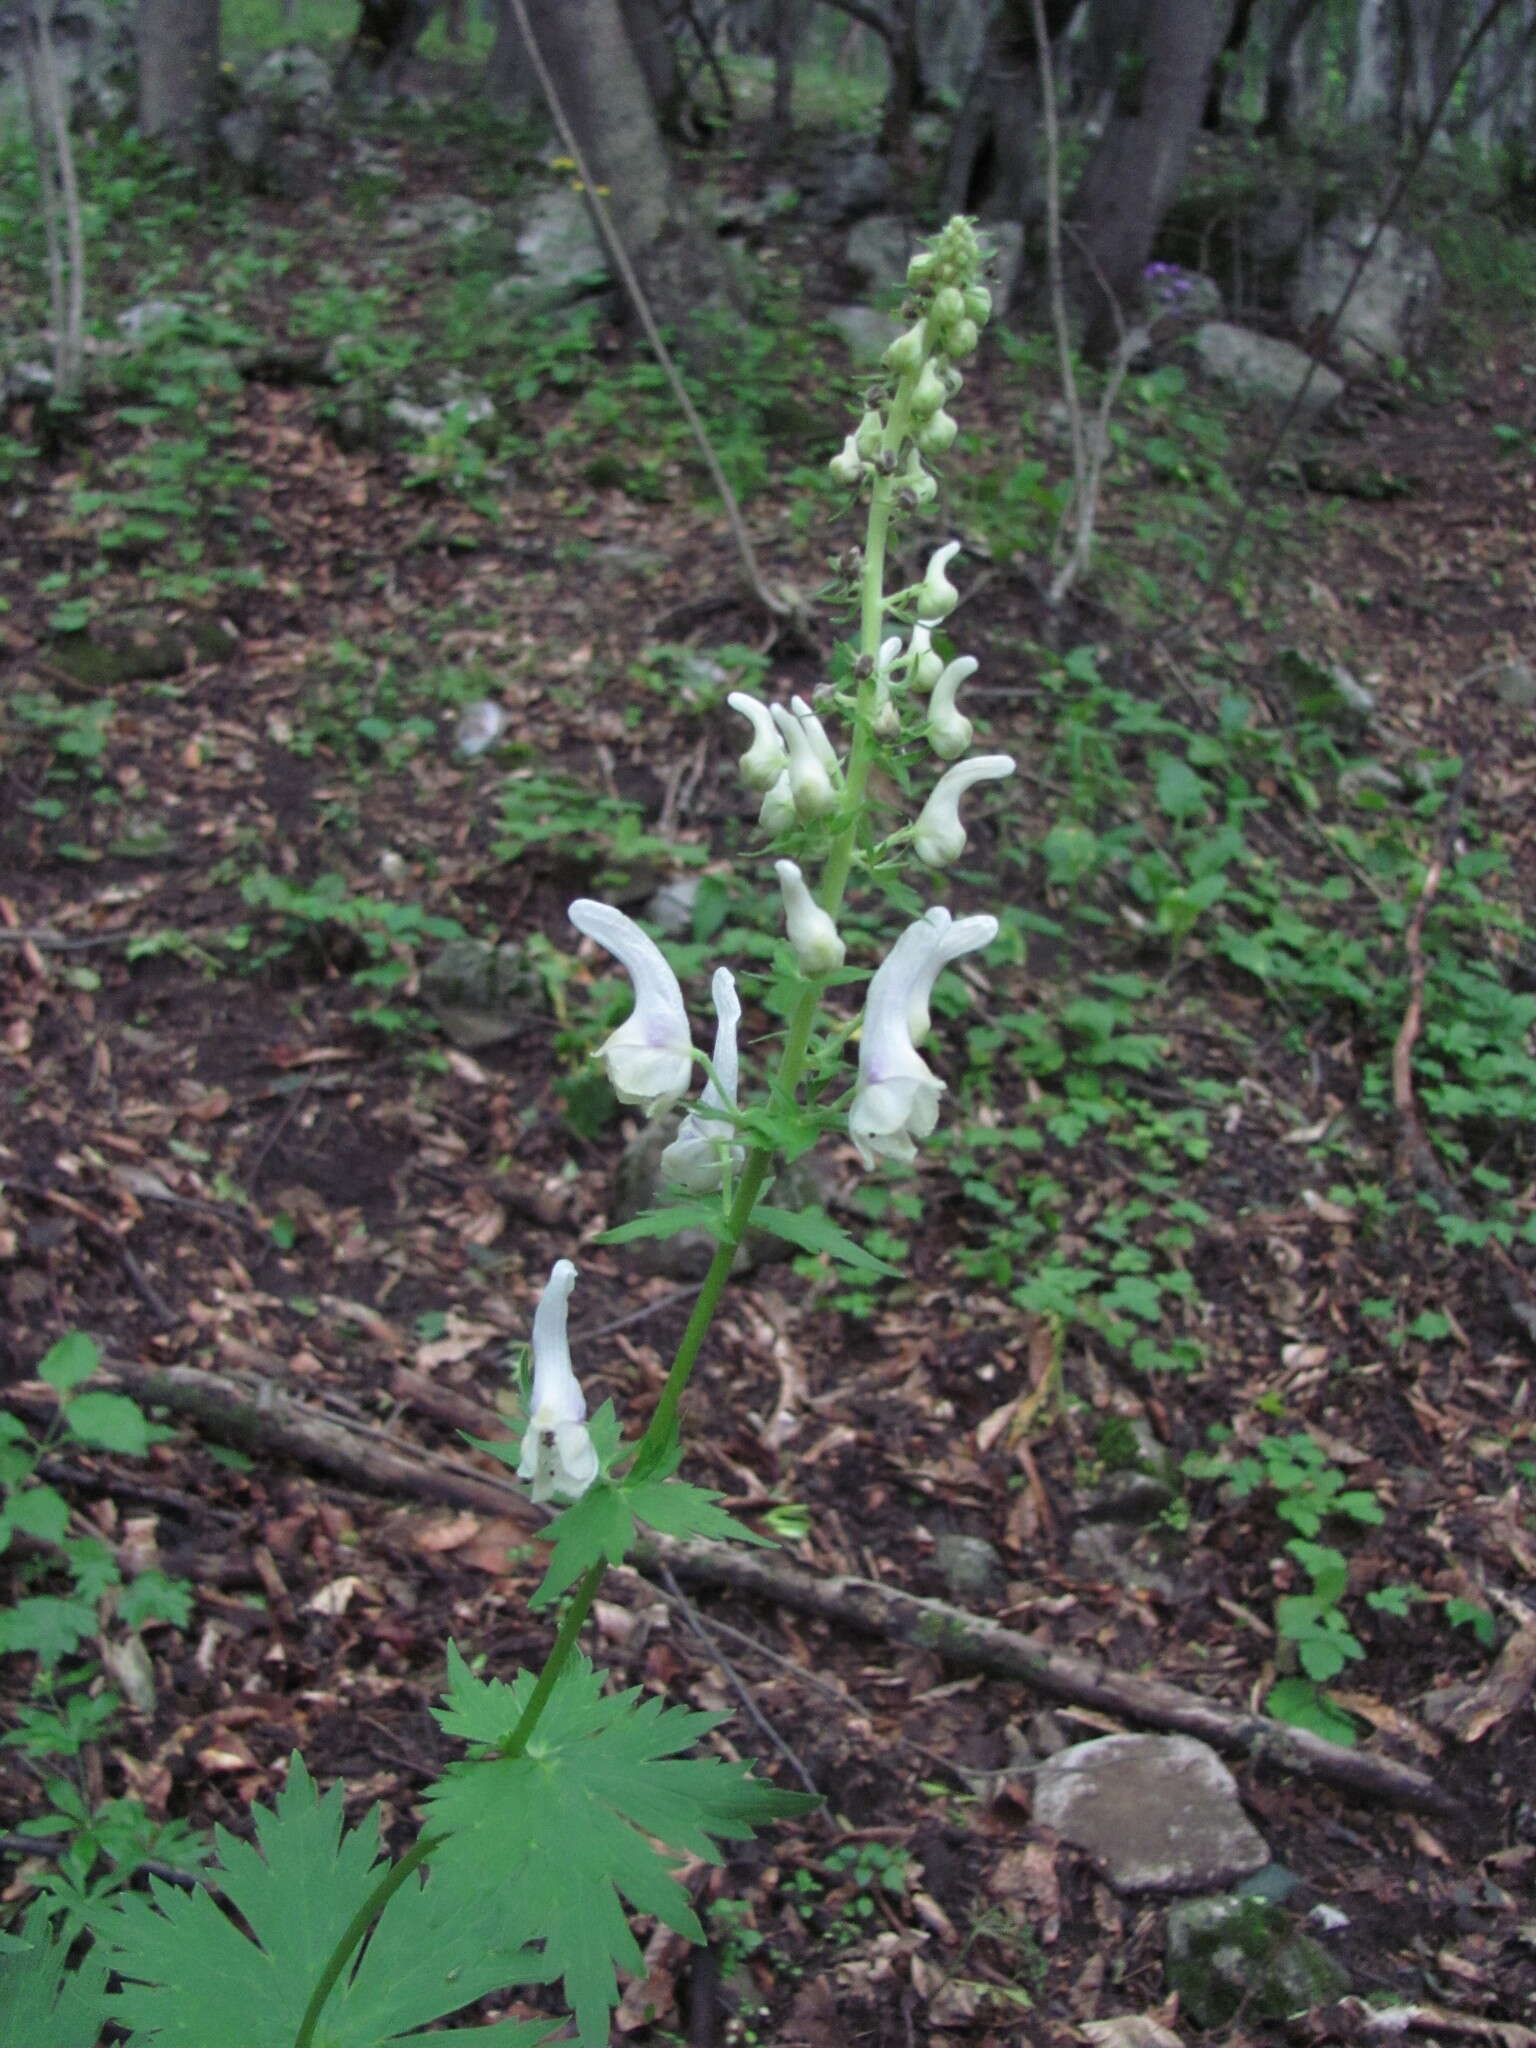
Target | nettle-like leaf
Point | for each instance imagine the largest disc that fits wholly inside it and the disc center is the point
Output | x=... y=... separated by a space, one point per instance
x=44 y=2002
x=194 y=1977
x=566 y=1834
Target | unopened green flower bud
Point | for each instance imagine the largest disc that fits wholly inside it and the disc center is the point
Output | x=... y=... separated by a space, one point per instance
x=920 y=270
x=962 y=338
x=927 y=393
x=978 y=304
x=846 y=464
x=869 y=436
x=917 y=481
x=818 y=948
x=924 y=667
x=948 y=306
x=936 y=436
x=936 y=596
x=908 y=351
x=952 y=381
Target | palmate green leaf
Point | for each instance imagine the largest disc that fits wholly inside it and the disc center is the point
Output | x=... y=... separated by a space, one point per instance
x=601 y=1526
x=46 y=1626
x=568 y=1822
x=193 y=1978
x=44 y=2003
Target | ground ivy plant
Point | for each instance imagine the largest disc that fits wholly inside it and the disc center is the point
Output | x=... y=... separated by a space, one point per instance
x=573 y=1804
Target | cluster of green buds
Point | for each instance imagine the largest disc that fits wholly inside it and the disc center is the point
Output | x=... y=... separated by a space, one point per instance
x=947 y=307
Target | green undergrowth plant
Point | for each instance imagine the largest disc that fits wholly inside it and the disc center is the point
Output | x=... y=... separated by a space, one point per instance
x=573 y=1805
x=75 y=1626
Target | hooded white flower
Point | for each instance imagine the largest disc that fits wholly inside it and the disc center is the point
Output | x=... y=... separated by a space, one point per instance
x=957 y=937
x=938 y=838
x=810 y=778
x=924 y=667
x=776 y=814
x=950 y=732
x=812 y=933
x=695 y=1159
x=558 y=1454
x=765 y=760
x=936 y=596
x=847 y=465
x=897 y=1100
x=884 y=716
x=650 y=1057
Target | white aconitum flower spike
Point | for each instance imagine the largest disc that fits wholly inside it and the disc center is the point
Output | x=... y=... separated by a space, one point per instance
x=924 y=667
x=777 y=813
x=950 y=732
x=810 y=784
x=558 y=1454
x=847 y=464
x=957 y=937
x=765 y=760
x=812 y=933
x=696 y=1158
x=650 y=1057
x=938 y=838
x=936 y=596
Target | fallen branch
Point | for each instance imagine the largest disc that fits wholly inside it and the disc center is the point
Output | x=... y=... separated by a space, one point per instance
x=987 y=1646
x=267 y=1419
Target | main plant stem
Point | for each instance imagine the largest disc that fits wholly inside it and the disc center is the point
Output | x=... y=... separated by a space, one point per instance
x=656 y=1444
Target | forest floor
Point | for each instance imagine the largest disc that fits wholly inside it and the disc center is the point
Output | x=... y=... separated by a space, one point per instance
x=1175 y=1212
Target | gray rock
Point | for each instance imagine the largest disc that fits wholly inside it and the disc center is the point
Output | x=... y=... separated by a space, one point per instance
x=446 y=216
x=278 y=134
x=854 y=183
x=1392 y=308
x=478 y=992
x=417 y=418
x=25 y=380
x=867 y=333
x=670 y=908
x=295 y=79
x=1130 y=1497
x=1514 y=684
x=1117 y=1554
x=479 y=727
x=878 y=250
x=93 y=54
x=1258 y=366
x=970 y=1566
x=149 y=318
x=1227 y=1956
x=559 y=254
x=1158 y=1813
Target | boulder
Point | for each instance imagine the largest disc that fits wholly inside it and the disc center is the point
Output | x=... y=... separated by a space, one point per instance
x=878 y=250
x=1257 y=366
x=446 y=216
x=559 y=254
x=867 y=333
x=1158 y=1813
x=1391 y=310
x=853 y=183
x=279 y=133
x=480 y=993
x=1229 y=1956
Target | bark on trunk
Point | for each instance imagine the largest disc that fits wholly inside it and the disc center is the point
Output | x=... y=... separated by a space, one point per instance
x=1281 y=77
x=1135 y=171
x=383 y=44
x=993 y=166
x=178 y=52
x=602 y=91
x=1371 y=76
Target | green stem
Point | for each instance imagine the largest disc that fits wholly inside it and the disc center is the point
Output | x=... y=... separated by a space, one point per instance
x=356 y=1928
x=560 y=1654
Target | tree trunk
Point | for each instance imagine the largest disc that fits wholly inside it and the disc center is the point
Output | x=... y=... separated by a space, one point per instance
x=1136 y=169
x=656 y=54
x=383 y=43
x=602 y=92
x=178 y=52
x=1227 y=63
x=1434 y=37
x=1281 y=76
x=993 y=168
x=1371 y=75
